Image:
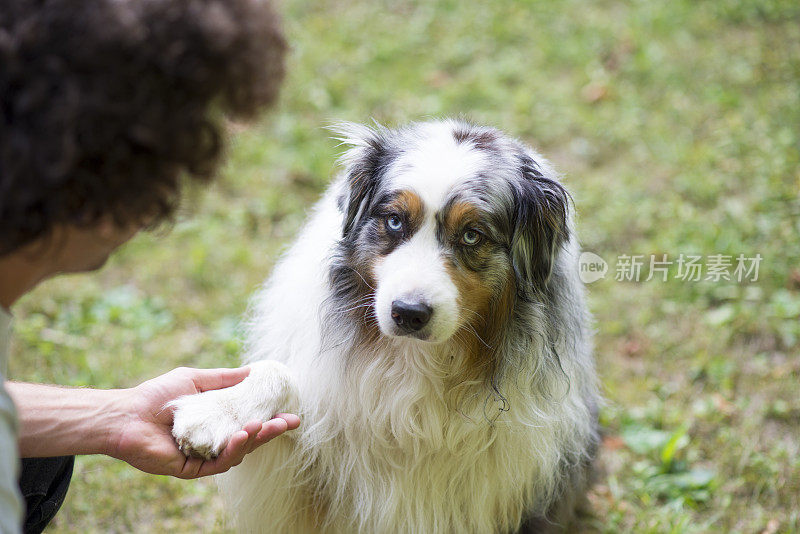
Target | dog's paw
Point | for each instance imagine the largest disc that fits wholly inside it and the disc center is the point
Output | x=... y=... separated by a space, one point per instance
x=201 y=427
x=272 y=390
x=204 y=423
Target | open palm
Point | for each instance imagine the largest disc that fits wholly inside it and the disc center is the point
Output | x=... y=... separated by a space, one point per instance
x=145 y=439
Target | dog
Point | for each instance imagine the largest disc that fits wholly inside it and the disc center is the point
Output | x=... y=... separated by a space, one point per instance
x=430 y=329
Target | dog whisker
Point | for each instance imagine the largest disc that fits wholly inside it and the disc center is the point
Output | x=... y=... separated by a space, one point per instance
x=363 y=279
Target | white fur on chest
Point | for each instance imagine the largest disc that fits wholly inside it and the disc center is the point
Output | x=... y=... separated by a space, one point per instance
x=396 y=458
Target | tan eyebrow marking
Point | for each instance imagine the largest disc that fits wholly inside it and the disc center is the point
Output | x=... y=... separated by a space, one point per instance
x=459 y=214
x=408 y=203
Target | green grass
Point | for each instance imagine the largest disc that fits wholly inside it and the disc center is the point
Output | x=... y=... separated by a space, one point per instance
x=676 y=126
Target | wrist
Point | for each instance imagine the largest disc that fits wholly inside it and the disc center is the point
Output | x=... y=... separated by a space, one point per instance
x=114 y=415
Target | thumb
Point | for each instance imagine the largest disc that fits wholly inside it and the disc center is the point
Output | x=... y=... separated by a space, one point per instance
x=207 y=379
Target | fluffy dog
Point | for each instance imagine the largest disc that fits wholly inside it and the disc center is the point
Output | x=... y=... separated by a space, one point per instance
x=429 y=327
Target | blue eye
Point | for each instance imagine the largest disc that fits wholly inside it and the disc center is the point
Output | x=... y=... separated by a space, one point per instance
x=471 y=237
x=394 y=223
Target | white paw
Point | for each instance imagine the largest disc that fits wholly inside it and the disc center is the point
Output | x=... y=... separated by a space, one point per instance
x=204 y=423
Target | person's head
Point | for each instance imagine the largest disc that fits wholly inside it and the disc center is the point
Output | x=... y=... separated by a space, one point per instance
x=108 y=106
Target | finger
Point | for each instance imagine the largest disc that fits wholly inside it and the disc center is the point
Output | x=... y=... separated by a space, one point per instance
x=252 y=428
x=260 y=433
x=255 y=427
x=269 y=430
x=207 y=379
x=292 y=421
x=231 y=455
x=191 y=468
x=241 y=443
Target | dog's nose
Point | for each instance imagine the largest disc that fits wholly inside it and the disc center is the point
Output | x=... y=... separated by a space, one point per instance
x=411 y=316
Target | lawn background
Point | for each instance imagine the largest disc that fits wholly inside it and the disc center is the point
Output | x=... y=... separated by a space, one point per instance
x=676 y=127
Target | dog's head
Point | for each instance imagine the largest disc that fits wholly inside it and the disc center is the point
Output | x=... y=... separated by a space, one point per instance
x=445 y=225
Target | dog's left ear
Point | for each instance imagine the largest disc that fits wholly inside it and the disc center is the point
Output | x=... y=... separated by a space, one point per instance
x=541 y=213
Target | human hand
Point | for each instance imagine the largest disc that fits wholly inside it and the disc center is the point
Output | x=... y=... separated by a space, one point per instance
x=144 y=439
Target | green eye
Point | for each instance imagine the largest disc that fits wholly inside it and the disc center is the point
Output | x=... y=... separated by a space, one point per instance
x=471 y=237
x=394 y=223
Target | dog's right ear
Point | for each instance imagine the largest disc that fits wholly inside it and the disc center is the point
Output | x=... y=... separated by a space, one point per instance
x=364 y=161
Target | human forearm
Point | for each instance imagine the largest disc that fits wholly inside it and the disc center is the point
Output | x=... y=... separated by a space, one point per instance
x=57 y=421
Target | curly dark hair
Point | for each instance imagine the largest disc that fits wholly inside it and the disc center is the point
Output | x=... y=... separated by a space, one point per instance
x=107 y=106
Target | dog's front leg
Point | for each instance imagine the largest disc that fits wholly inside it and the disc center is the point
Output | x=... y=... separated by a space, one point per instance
x=203 y=423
